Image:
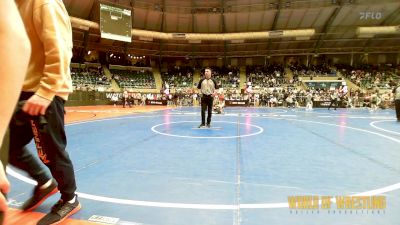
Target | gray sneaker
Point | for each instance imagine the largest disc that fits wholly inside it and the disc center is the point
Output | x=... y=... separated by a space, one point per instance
x=39 y=195
x=59 y=212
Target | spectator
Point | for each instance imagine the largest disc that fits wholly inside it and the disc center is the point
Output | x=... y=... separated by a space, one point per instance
x=44 y=92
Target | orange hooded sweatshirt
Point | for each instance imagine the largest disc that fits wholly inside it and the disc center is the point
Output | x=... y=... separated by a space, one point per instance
x=49 y=30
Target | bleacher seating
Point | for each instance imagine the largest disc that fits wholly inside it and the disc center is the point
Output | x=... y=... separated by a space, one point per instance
x=313 y=70
x=178 y=77
x=134 y=79
x=89 y=78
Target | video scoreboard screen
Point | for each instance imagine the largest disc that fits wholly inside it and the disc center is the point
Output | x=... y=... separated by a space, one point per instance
x=115 y=23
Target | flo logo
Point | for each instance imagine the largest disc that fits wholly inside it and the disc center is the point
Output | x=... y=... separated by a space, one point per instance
x=370 y=15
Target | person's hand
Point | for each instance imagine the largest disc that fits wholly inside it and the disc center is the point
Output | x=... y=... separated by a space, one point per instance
x=4 y=188
x=36 y=105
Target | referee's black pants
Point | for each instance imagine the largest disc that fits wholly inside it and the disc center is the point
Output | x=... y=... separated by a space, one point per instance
x=397 y=106
x=50 y=139
x=333 y=102
x=206 y=104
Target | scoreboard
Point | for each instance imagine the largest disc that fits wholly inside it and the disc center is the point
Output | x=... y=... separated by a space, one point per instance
x=115 y=23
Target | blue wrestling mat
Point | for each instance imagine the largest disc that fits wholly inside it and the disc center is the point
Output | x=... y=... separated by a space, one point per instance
x=160 y=169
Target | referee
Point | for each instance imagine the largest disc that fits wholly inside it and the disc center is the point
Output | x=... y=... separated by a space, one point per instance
x=208 y=88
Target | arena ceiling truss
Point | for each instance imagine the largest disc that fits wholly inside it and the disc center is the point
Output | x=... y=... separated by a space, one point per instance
x=335 y=22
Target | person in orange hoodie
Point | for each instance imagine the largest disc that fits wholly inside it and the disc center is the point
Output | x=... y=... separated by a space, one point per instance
x=14 y=55
x=40 y=112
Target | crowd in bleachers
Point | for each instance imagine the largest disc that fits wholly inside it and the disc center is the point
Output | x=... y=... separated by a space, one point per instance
x=226 y=77
x=266 y=86
x=312 y=70
x=265 y=76
x=371 y=76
